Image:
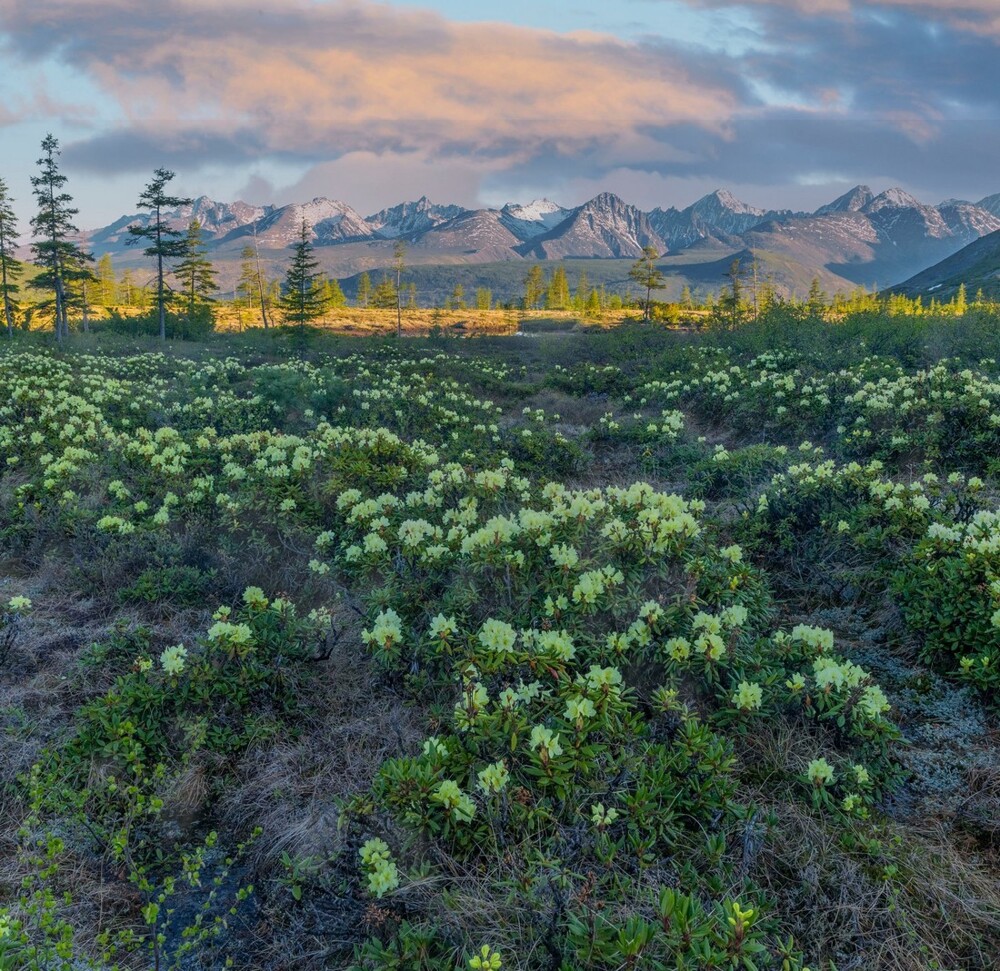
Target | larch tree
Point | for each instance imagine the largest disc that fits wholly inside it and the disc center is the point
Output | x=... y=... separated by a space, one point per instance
x=533 y=287
x=364 y=289
x=333 y=295
x=246 y=285
x=558 y=294
x=196 y=274
x=646 y=273
x=261 y=294
x=165 y=242
x=10 y=268
x=398 y=265
x=60 y=259
x=106 y=284
x=582 y=292
x=302 y=293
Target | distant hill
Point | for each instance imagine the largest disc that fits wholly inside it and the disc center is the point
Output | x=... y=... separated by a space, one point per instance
x=859 y=239
x=976 y=265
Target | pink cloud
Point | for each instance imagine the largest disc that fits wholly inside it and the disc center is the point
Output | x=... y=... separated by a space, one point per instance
x=352 y=76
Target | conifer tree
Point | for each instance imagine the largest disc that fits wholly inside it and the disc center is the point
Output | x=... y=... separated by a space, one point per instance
x=558 y=293
x=645 y=272
x=816 y=301
x=730 y=306
x=582 y=292
x=533 y=287
x=262 y=292
x=196 y=274
x=302 y=293
x=106 y=281
x=60 y=259
x=384 y=295
x=10 y=268
x=398 y=265
x=246 y=285
x=961 y=301
x=364 y=290
x=166 y=243
x=333 y=295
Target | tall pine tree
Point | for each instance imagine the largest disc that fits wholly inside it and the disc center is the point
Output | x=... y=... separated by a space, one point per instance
x=302 y=293
x=165 y=242
x=196 y=276
x=10 y=268
x=60 y=259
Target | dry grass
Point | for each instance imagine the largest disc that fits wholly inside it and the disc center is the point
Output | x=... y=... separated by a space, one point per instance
x=942 y=909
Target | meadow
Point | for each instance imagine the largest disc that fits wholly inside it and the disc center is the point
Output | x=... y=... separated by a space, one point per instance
x=624 y=648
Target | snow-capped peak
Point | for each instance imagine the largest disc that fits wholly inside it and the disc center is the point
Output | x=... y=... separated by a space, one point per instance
x=723 y=200
x=534 y=211
x=895 y=198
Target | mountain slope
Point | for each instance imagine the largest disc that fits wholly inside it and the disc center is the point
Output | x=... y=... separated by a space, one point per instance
x=976 y=265
x=411 y=218
x=218 y=219
x=534 y=219
x=604 y=228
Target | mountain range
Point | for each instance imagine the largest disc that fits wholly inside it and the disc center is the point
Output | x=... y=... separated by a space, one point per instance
x=860 y=239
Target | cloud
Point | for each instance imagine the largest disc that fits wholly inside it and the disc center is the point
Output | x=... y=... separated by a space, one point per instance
x=371 y=103
x=360 y=178
x=976 y=17
x=323 y=80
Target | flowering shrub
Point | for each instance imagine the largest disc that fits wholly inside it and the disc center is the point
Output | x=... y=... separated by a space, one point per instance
x=601 y=669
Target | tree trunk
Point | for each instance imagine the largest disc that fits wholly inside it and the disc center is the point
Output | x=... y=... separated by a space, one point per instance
x=8 y=311
x=159 y=296
x=60 y=305
x=399 y=312
x=260 y=281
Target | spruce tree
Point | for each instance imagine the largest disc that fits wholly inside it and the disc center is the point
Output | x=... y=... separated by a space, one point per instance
x=196 y=275
x=166 y=243
x=60 y=260
x=302 y=293
x=384 y=295
x=816 y=302
x=10 y=268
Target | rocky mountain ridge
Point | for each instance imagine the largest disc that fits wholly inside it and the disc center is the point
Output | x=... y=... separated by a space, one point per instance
x=860 y=238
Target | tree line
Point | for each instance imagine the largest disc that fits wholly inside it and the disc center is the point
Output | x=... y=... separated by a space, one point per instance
x=67 y=278
x=179 y=299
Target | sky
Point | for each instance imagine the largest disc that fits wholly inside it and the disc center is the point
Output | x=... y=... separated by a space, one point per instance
x=787 y=103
